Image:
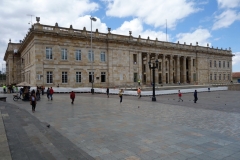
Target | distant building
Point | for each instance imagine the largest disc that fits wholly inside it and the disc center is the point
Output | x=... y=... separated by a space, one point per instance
x=52 y=55
x=236 y=77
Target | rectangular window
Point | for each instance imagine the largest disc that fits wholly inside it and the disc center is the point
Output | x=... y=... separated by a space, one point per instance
x=78 y=77
x=64 y=77
x=228 y=64
x=215 y=63
x=48 y=53
x=144 y=68
x=102 y=56
x=91 y=77
x=223 y=64
x=210 y=76
x=103 y=76
x=135 y=58
x=49 y=77
x=224 y=77
x=215 y=77
x=90 y=56
x=135 y=78
x=220 y=76
x=64 y=53
x=78 y=55
x=219 y=64
x=210 y=63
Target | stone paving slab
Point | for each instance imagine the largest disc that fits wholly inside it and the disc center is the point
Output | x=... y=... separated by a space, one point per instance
x=102 y=128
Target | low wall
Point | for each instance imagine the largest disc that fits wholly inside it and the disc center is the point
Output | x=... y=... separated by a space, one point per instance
x=234 y=87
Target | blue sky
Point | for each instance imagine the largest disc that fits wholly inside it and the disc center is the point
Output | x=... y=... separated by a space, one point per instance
x=215 y=22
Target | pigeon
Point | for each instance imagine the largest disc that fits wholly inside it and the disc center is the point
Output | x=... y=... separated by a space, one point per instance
x=138 y=106
x=48 y=125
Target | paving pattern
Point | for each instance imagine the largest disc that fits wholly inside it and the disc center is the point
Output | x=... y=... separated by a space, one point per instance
x=97 y=127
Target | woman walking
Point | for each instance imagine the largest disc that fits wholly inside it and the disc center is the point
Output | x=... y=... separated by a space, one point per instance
x=33 y=101
x=72 y=96
x=120 y=95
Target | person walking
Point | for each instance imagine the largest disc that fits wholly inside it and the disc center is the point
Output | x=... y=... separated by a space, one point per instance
x=72 y=96
x=139 y=93
x=179 y=96
x=51 y=93
x=139 y=82
x=195 y=96
x=48 y=93
x=120 y=95
x=33 y=101
x=107 y=91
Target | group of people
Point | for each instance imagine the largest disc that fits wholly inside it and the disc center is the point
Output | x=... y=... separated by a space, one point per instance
x=9 y=88
x=194 y=95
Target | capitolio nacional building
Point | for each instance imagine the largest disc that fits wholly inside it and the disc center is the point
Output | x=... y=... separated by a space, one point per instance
x=52 y=55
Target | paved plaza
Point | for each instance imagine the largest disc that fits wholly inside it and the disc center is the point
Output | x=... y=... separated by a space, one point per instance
x=97 y=127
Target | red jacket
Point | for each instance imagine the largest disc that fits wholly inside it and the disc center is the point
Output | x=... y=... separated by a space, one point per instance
x=180 y=94
x=51 y=91
x=72 y=95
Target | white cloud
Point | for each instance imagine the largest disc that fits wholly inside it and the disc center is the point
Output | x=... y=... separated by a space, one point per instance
x=136 y=27
x=14 y=20
x=236 y=58
x=152 y=12
x=225 y=19
x=228 y=4
x=200 y=35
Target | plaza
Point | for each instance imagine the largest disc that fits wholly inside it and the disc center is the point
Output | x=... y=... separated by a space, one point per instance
x=97 y=127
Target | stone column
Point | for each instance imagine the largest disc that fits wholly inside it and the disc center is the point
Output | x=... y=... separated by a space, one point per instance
x=148 y=74
x=140 y=72
x=163 y=70
x=190 y=69
x=178 y=69
x=156 y=71
x=171 y=69
x=184 y=70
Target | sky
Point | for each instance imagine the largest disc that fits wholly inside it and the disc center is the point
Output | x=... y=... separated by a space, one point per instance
x=213 y=22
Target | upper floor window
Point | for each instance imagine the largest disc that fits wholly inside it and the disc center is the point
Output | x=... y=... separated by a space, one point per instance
x=64 y=77
x=215 y=63
x=215 y=76
x=78 y=77
x=90 y=56
x=102 y=56
x=193 y=62
x=228 y=64
x=223 y=64
x=64 y=53
x=49 y=77
x=135 y=58
x=210 y=63
x=78 y=55
x=48 y=53
x=103 y=76
x=219 y=64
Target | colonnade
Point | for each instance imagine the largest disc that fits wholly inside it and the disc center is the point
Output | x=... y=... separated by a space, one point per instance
x=171 y=69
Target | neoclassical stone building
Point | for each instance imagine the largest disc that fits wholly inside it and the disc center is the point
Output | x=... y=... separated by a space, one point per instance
x=52 y=55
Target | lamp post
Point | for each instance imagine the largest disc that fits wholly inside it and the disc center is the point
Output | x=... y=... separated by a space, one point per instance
x=92 y=19
x=153 y=71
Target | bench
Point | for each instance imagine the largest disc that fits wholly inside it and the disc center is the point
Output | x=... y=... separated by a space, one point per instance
x=3 y=99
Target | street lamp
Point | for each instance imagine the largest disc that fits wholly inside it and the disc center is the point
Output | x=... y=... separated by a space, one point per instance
x=153 y=71
x=92 y=19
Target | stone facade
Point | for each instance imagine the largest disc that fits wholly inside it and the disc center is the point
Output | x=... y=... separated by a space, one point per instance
x=52 y=55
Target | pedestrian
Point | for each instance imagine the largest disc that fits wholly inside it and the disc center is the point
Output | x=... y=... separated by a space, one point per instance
x=48 y=93
x=38 y=94
x=139 y=93
x=120 y=95
x=179 y=96
x=51 y=93
x=139 y=82
x=195 y=96
x=107 y=91
x=33 y=101
x=72 y=96
x=43 y=88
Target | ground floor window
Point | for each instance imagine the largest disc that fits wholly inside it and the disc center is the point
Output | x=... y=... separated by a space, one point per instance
x=64 y=77
x=49 y=77
x=91 y=77
x=135 y=77
x=103 y=76
x=78 y=77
